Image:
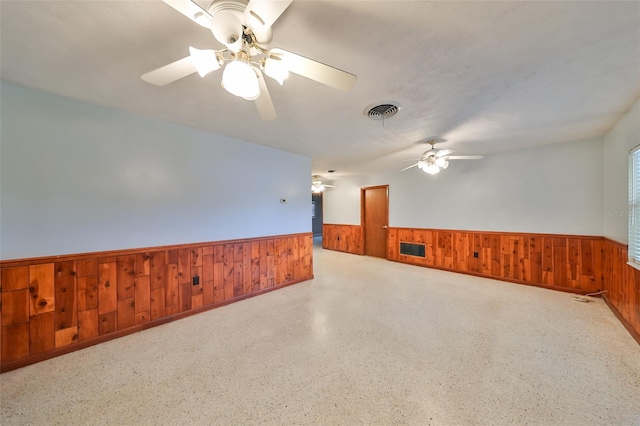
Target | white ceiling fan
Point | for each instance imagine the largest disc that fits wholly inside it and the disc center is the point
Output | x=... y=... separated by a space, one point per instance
x=317 y=187
x=432 y=160
x=244 y=28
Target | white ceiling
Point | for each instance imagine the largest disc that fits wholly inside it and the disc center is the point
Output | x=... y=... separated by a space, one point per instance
x=481 y=76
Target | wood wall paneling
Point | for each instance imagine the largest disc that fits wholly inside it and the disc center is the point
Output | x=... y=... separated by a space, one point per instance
x=622 y=283
x=346 y=238
x=52 y=305
x=554 y=261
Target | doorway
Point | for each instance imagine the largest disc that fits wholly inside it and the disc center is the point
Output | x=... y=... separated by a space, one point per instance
x=316 y=218
x=374 y=212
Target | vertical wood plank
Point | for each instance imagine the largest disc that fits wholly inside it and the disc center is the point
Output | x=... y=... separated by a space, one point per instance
x=142 y=317
x=172 y=287
x=157 y=303
x=107 y=288
x=15 y=341
x=228 y=271
x=197 y=296
x=547 y=261
x=16 y=278
x=263 y=265
x=535 y=250
x=42 y=288
x=125 y=278
x=142 y=294
x=87 y=325
x=196 y=256
x=246 y=268
x=107 y=323
x=184 y=266
x=218 y=282
x=255 y=266
x=66 y=336
x=218 y=253
x=87 y=267
x=41 y=333
x=171 y=256
x=126 y=313
x=207 y=279
x=66 y=314
x=271 y=263
x=184 y=297
x=559 y=262
x=15 y=307
x=142 y=265
x=87 y=292
x=237 y=279
x=157 y=269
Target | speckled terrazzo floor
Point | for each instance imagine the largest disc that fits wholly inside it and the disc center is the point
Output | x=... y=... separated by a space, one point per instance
x=366 y=342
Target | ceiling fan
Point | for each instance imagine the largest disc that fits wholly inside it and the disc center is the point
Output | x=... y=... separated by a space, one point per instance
x=317 y=187
x=432 y=160
x=244 y=28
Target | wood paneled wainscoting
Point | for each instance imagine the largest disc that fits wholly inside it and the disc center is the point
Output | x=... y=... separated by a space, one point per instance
x=560 y=262
x=54 y=305
x=622 y=283
x=347 y=238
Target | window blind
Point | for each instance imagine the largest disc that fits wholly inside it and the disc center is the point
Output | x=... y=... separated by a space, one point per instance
x=634 y=205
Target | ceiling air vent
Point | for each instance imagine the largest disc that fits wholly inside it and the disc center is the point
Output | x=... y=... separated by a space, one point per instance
x=383 y=111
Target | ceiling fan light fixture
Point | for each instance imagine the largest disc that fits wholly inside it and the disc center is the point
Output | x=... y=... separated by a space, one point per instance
x=317 y=188
x=205 y=61
x=432 y=169
x=275 y=69
x=442 y=162
x=239 y=79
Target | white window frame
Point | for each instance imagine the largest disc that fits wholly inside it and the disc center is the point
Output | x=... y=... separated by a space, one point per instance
x=634 y=208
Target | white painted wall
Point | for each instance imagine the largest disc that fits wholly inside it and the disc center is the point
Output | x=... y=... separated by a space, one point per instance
x=624 y=136
x=77 y=177
x=550 y=189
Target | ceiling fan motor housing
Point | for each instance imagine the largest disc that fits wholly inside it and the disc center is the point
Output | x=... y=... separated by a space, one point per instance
x=231 y=13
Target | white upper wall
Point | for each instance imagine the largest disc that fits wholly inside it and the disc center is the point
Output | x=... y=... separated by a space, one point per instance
x=624 y=136
x=551 y=189
x=76 y=177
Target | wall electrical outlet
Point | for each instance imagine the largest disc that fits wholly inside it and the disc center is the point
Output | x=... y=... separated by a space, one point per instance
x=196 y=280
x=475 y=254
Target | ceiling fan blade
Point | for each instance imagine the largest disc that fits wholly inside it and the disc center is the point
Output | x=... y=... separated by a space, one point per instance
x=263 y=102
x=410 y=167
x=314 y=70
x=192 y=11
x=171 y=72
x=443 y=152
x=465 y=157
x=261 y=14
x=328 y=186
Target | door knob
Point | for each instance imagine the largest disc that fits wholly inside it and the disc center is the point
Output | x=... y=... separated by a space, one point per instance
x=384 y=226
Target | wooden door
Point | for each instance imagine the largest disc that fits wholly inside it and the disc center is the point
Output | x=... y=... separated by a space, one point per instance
x=375 y=218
